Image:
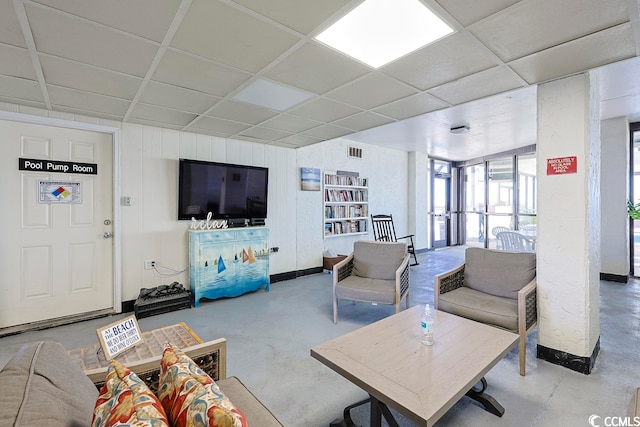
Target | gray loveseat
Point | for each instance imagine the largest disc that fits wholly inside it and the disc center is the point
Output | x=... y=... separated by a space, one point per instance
x=42 y=386
x=493 y=287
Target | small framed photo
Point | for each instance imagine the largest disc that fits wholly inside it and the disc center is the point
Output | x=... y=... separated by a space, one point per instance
x=310 y=179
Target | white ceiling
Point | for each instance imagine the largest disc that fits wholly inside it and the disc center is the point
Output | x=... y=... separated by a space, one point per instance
x=179 y=63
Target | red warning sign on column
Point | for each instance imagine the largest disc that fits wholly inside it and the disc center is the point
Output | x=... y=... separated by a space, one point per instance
x=562 y=165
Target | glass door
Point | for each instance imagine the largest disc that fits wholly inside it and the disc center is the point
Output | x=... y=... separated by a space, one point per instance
x=475 y=205
x=634 y=190
x=440 y=213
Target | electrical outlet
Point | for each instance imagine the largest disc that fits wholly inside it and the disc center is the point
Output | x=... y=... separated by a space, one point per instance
x=149 y=265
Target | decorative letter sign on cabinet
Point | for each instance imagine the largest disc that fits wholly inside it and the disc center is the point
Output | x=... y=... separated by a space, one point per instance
x=346 y=206
x=228 y=262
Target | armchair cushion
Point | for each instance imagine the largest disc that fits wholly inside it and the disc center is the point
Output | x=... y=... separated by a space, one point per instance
x=377 y=260
x=498 y=273
x=481 y=307
x=366 y=289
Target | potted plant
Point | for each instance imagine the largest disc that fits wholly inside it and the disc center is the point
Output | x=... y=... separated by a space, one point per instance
x=633 y=210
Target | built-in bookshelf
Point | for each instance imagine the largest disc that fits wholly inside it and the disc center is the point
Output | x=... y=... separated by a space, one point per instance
x=346 y=205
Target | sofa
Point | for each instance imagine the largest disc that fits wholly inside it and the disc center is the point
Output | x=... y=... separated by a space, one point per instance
x=42 y=385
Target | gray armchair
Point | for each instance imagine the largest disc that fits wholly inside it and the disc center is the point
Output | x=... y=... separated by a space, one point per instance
x=376 y=272
x=494 y=287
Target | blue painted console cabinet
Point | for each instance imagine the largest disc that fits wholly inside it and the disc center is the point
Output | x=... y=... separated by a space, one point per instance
x=228 y=262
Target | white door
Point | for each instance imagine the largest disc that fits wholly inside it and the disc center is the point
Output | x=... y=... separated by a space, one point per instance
x=56 y=259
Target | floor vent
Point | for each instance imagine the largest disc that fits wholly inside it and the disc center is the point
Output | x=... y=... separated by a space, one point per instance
x=355 y=153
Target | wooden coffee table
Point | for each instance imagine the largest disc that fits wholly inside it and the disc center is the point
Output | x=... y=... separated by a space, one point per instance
x=387 y=360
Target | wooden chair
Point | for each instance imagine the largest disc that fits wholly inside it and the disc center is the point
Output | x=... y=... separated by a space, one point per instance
x=384 y=231
x=375 y=272
x=494 y=287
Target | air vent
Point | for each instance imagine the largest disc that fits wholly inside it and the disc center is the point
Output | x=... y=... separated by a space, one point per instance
x=355 y=153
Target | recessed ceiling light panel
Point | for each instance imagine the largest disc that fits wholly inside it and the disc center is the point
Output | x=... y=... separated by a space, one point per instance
x=380 y=31
x=271 y=95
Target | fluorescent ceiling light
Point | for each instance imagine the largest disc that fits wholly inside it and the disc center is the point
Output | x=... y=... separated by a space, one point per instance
x=271 y=95
x=380 y=31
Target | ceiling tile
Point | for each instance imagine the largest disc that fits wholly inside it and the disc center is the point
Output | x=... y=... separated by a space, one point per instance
x=327 y=132
x=451 y=58
x=412 y=106
x=598 y=49
x=62 y=72
x=194 y=73
x=299 y=15
x=220 y=126
x=223 y=33
x=241 y=112
x=34 y=104
x=324 y=110
x=486 y=83
x=371 y=91
x=316 y=68
x=362 y=121
x=300 y=140
x=264 y=133
x=177 y=98
x=620 y=79
x=83 y=112
x=10 y=31
x=92 y=102
x=18 y=88
x=62 y=36
x=16 y=62
x=517 y=32
x=290 y=123
x=466 y=12
x=154 y=123
x=124 y=14
x=161 y=115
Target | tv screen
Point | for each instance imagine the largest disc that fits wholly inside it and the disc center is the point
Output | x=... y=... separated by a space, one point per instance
x=225 y=190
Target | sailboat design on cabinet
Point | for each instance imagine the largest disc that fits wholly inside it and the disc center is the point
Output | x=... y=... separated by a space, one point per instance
x=241 y=258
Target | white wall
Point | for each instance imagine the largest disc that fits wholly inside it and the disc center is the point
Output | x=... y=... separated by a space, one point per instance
x=388 y=176
x=614 y=191
x=149 y=168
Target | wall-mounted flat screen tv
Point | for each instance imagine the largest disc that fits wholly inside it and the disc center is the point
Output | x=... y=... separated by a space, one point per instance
x=227 y=191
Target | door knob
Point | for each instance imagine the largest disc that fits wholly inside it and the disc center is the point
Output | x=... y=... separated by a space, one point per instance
x=107 y=235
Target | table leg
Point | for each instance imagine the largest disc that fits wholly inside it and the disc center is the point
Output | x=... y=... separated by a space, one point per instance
x=376 y=412
x=488 y=402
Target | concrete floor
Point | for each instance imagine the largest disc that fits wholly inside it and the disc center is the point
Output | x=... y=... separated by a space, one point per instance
x=269 y=336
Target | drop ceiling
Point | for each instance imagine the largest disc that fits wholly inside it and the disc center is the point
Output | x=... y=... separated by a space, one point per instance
x=181 y=64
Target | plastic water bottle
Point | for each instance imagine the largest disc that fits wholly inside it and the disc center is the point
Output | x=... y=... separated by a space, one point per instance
x=427 y=326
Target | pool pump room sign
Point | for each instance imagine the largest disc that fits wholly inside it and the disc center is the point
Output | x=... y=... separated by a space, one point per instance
x=39 y=165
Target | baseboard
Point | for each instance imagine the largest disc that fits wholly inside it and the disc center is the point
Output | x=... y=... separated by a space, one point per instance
x=619 y=278
x=581 y=364
x=128 y=306
x=293 y=274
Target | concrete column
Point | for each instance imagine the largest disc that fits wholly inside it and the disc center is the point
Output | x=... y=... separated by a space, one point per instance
x=568 y=248
x=418 y=204
x=614 y=184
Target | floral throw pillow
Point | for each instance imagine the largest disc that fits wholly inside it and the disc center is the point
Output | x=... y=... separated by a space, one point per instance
x=125 y=400
x=190 y=397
